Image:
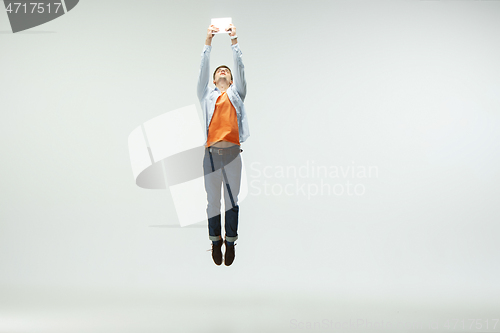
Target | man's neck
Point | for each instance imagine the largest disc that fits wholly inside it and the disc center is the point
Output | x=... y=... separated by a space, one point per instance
x=222 y=87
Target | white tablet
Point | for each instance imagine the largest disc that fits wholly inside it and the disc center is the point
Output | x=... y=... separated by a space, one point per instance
x=222 y=24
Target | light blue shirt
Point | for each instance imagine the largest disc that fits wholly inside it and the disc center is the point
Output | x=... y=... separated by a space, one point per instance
x=236 y=92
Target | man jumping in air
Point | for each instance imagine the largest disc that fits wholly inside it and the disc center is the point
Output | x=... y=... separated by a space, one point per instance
x=226 y=128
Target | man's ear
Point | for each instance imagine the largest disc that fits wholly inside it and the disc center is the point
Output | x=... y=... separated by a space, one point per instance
x=214 y=81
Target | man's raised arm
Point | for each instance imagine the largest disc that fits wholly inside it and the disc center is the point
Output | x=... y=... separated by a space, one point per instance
x=239 y=69
x=204 y=76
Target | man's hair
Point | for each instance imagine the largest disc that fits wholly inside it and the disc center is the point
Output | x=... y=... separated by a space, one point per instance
x=224 y=66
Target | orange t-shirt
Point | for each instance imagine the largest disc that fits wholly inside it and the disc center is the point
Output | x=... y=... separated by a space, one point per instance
x=224 y=123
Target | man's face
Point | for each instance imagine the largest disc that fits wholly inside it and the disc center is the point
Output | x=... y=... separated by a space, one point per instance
x=223 y=74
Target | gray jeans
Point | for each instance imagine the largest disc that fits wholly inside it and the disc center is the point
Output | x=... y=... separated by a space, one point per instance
x=222 y=166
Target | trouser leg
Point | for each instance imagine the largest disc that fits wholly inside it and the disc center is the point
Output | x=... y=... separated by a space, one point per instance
x=213 y=183
x=231 y=176
x=214 y=228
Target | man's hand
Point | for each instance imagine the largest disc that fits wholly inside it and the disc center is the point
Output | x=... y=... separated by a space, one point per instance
x=231 y=29
x=210 y=34
x=232 y=32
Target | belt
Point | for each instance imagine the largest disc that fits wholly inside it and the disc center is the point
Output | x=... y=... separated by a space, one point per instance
x=222 y=151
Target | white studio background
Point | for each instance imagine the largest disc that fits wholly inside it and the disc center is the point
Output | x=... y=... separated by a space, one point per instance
x=408 y=88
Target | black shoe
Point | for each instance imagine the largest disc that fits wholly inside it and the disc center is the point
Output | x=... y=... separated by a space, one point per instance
x=217 y=252
x=229 y=255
